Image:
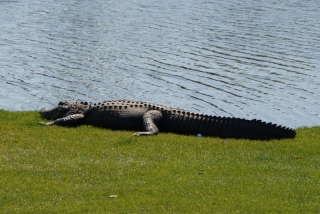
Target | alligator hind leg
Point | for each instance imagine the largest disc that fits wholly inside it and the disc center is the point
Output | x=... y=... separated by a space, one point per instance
x=150 y=121
x=70 y=120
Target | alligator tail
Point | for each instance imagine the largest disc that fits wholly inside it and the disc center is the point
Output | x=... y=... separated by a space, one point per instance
x=225 y=127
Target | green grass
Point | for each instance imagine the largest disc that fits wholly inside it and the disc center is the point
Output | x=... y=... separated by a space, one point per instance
x=75 y=170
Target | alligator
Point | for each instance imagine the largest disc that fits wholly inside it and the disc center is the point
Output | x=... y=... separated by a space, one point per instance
x=149 y=119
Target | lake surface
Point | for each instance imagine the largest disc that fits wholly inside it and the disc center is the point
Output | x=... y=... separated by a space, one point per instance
x=236 y=58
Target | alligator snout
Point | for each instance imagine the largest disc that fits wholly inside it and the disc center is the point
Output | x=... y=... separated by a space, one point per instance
x=43 y=112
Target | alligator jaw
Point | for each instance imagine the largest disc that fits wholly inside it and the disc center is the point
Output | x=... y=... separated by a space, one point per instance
x=48 y=113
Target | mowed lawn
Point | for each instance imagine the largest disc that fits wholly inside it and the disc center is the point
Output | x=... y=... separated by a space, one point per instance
x=92 y=170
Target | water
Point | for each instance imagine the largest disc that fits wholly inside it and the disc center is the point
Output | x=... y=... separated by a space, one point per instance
x=242 y=58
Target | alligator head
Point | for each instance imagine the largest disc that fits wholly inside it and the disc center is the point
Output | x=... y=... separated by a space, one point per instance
x=55 y=113
x=64 y=108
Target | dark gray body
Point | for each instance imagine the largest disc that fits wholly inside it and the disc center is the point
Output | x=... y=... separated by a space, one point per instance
x=151 y=118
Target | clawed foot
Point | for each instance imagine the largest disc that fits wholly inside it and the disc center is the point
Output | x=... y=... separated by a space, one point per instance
x=144 y=133
x=46 y=124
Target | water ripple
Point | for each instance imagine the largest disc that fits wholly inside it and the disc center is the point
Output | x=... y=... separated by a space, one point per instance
x=250 y=59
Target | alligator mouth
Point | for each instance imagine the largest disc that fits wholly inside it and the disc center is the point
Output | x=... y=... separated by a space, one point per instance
x=49 y=113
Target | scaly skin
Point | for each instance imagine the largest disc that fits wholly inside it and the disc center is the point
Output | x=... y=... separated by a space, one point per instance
x=150 y=118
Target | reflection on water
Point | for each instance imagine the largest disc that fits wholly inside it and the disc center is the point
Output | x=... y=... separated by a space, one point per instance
x=248 y=59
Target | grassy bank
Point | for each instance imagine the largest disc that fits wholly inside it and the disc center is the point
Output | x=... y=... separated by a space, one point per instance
x=76 y=170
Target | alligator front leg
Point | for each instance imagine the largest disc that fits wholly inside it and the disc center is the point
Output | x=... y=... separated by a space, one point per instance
x=70 y=120
x=150 y=121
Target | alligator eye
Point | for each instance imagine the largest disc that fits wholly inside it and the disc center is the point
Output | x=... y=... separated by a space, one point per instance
x=63 y=108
